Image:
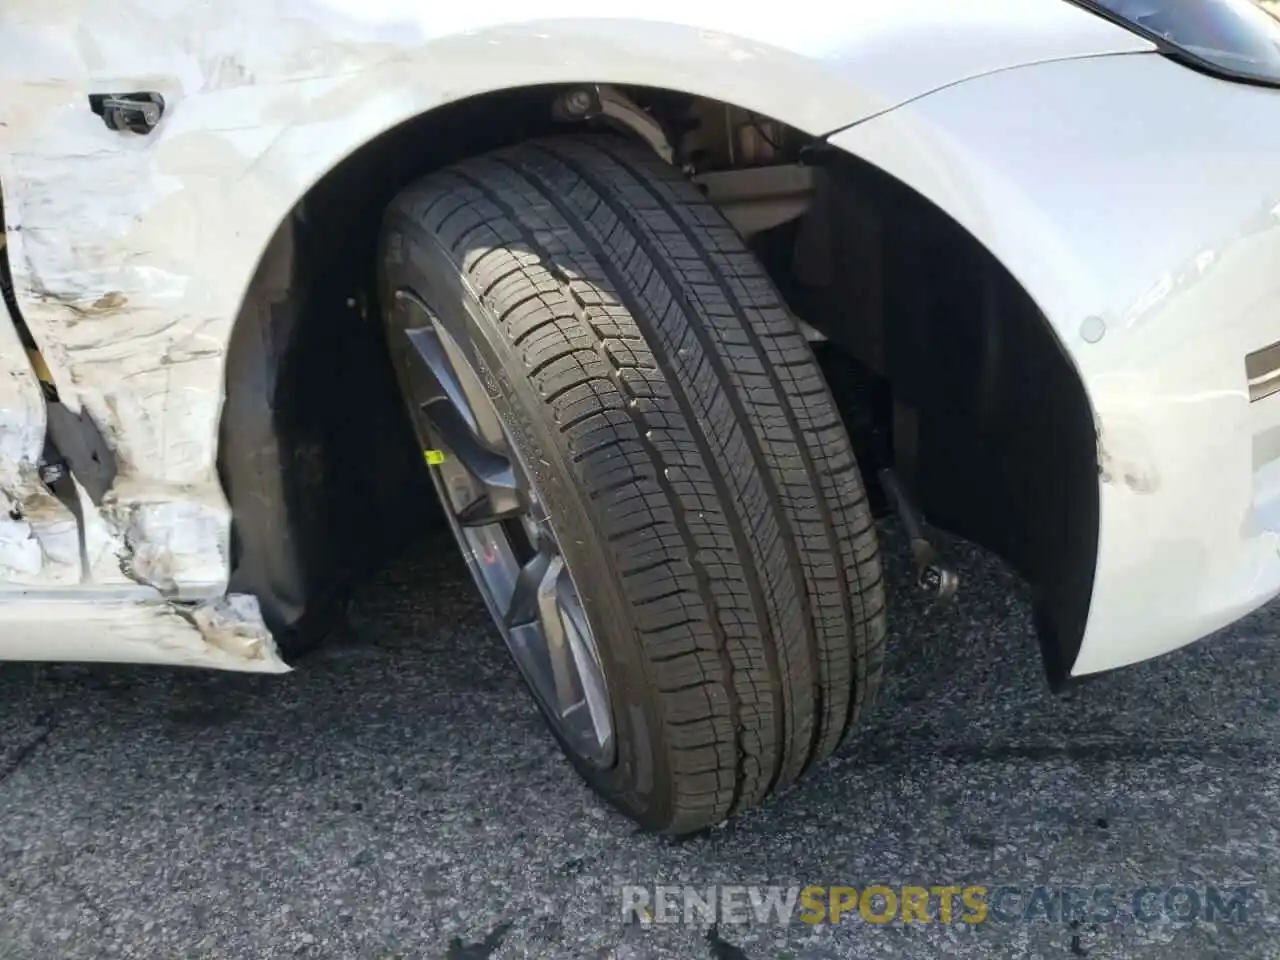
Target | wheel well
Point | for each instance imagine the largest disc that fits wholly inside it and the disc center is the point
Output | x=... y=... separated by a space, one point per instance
x=972 y=397
x=944 y=366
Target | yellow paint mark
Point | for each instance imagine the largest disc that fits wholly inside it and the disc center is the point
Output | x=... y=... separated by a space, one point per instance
x=434 y=457
x=40 y=367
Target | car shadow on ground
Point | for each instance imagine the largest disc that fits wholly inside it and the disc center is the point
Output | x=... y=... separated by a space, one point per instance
x=398 y=796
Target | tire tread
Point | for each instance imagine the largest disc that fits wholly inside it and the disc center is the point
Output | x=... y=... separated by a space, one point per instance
x=705 y=442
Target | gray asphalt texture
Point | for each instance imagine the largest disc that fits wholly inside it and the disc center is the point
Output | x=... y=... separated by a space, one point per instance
x=398 y=796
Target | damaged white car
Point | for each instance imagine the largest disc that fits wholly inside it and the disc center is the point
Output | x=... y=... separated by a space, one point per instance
x=664 y=305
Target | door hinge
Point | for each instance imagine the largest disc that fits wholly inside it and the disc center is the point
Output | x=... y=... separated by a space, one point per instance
x=133 y=112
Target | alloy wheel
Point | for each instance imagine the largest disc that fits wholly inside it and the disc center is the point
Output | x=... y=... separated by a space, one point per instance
x=503 y=528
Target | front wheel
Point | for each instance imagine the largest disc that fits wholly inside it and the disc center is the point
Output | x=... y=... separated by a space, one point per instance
x=644 y=469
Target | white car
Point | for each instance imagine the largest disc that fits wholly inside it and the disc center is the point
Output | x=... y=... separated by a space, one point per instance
x=643 y=283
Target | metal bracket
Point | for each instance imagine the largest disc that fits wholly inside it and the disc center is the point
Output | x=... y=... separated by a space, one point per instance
x=128 y=112
x=602 y=100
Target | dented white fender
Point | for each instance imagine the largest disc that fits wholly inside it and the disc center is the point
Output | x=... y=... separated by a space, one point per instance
x=1136 y=201
x=131 y=255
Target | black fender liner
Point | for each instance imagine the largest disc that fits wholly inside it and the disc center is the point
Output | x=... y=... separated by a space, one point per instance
x=992 y=426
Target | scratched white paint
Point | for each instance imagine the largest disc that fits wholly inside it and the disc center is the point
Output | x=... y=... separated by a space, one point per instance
x=1092 y=180
x=39 y=541
x=135 y=625
x=132 y=255
x=1136 y=191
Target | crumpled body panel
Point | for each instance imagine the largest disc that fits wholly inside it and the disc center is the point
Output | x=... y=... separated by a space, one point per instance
x=132 y=256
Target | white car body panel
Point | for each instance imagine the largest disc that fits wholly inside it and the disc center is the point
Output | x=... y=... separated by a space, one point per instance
x=1155 y=255
x=136 y=625
x=132 y=255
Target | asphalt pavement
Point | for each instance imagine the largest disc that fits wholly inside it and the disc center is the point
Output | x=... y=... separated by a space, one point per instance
x=398 y=797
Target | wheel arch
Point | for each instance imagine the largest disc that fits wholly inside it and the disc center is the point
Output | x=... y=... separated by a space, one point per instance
x=309 y=290
x=305 y=293
x=1004 y=422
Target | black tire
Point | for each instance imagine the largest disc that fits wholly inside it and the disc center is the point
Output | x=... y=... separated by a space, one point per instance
x=697 y=470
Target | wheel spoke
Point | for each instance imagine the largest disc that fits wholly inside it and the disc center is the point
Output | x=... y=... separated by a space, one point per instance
x=489 y=508
x=559 y=650
x=448 y=398
x=523 y=606
x=586 y=667
x=535 y=622
x=429 y=348
x=447 y=355
x=502 y=496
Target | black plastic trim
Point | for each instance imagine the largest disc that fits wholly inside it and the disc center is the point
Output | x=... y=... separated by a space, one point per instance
x=1180 y=54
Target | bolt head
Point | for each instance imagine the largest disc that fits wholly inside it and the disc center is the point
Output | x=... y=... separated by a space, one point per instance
x=577 y=102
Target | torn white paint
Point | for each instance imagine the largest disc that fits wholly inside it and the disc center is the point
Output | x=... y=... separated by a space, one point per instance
x=178 y=546
x=133 y=625
x=132 y=255
x=234 y=624
x=39 y=540
x=103 y=546
x=1124 y=457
